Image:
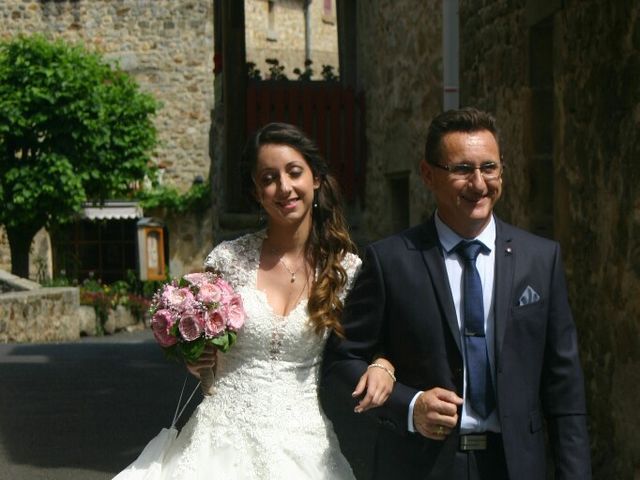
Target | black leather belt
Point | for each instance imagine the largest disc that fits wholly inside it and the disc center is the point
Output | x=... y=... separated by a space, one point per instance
x=479 y=441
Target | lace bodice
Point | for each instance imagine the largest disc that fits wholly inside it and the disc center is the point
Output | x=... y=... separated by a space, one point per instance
x=265 y=403
x=268 y=336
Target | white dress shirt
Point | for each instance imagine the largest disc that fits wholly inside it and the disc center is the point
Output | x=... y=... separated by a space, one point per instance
x=485 y=263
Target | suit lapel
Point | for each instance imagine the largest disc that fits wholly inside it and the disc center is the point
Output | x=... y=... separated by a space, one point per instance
x=432 y=253
x=502 y=291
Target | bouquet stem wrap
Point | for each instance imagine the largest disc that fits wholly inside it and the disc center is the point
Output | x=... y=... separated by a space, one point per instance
x=206 y=381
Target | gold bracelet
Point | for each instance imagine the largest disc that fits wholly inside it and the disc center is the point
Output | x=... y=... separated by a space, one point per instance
x=379 y=365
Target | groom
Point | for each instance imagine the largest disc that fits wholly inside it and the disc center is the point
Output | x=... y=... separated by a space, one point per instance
x=473 y=313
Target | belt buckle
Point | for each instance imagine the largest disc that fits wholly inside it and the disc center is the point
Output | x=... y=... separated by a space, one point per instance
x=473 y=442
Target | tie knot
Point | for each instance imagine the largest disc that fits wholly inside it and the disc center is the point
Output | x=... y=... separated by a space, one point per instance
x=469 y=250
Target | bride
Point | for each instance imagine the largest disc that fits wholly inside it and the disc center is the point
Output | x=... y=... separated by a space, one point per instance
x=264 y=420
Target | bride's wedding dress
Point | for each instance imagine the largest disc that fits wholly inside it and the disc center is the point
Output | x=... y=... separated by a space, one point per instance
x=264 y=419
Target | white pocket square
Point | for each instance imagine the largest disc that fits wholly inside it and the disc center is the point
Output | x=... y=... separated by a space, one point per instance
x=528 y=296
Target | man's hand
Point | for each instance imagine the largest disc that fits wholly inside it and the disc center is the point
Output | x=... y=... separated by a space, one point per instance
x=435 y=413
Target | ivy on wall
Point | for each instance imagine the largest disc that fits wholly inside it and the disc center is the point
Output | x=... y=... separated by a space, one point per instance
x=197 y=198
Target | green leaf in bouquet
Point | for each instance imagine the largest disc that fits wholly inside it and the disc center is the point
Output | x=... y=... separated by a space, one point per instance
x=191 y=351
x=175 y=330
x=183 y=283
x=222 y=342
x=233 y=336
x=171 y=353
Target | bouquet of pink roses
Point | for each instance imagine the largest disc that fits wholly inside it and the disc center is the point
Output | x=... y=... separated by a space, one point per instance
x=198 y=310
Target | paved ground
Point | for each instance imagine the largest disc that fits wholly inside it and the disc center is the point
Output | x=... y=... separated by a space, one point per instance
x=82 y=410
x=85 y=410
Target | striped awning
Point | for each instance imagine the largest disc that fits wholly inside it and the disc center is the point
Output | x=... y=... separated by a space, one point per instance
x=112 y=210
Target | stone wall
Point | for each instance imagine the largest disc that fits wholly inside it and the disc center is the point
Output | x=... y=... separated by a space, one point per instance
x=13 y=283
x=591 y=179
x=5 y=253
x=40 y=257
x=42 y=315
x=188 y=232
x=400 y=71
x=495 y=80
x=285 y=40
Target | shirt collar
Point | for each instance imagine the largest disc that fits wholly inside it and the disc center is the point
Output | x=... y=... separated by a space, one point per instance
x=449 y=239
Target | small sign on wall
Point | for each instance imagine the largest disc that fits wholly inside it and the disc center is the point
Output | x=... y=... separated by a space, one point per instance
x=151 y=262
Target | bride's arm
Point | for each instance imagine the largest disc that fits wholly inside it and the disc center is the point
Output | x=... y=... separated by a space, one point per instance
x=375 y=385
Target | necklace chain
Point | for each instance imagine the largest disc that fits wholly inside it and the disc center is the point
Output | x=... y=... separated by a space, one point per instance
x=291 y=272
x=284 y=264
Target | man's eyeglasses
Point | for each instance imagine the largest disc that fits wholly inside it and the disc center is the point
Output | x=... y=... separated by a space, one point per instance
x=489 y=171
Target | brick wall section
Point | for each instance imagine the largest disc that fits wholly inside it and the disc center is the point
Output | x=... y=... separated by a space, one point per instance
x=596 y=205
x=166 y=45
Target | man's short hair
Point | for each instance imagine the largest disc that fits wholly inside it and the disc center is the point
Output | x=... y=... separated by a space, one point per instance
x=467 y=119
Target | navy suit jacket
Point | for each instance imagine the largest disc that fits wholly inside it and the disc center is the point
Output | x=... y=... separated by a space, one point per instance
x=401 y=307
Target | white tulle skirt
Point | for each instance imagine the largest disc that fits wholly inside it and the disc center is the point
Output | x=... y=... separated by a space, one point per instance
x=242 y=449
x=148 y=466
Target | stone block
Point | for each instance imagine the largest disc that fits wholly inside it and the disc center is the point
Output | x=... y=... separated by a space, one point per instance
x=15 y=283
x=120 y=318
x=87 y=320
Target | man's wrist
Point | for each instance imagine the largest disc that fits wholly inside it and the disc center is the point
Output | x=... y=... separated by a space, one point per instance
x=410 y=424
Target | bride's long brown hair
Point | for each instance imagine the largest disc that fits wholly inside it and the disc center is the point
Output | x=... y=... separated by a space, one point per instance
x=329 y=239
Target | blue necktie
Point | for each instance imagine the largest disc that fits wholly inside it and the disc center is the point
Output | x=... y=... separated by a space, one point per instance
x=480 y=387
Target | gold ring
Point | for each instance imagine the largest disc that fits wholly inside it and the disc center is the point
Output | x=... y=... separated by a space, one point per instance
x=440 y=430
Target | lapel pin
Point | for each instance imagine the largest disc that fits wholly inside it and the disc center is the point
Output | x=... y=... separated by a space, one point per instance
x=508 y=250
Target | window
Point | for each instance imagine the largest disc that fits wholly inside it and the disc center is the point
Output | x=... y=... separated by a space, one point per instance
x=102 y=249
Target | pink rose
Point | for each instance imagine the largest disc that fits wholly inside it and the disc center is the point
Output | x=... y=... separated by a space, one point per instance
x=177 y=298
x=224 y=286
x=214 y=323
x=161 y=324
x=235 y=313
x=197 y=278
x=191 y=325
x=209 y=293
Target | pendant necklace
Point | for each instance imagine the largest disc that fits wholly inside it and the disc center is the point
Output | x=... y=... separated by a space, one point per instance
x=291 y=272
x=286 y=267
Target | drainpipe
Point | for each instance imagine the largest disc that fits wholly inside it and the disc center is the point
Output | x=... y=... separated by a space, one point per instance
x=307 y=30
x=450 y=54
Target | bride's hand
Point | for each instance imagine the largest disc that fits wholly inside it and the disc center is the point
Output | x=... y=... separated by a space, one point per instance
x=378 y=382
x=206 y=361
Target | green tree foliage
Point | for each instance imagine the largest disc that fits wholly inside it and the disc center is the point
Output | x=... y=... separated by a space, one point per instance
x=72 y=129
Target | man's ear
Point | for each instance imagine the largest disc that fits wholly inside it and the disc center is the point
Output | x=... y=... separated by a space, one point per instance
x=426 y=173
